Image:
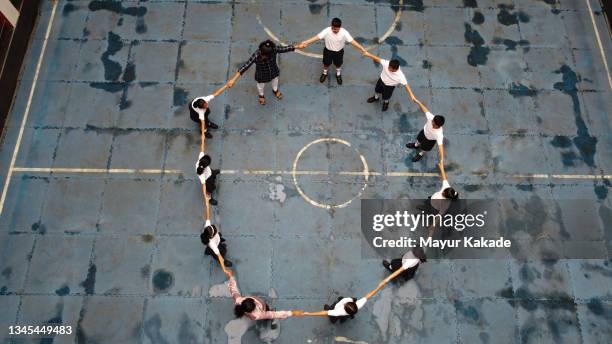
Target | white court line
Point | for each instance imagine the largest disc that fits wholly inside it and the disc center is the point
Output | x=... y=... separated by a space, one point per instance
x=273 y=172
x=601 y=50
x=27 y=110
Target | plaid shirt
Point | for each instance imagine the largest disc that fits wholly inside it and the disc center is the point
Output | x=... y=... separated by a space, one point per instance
x=260 y=312
x=265 y=69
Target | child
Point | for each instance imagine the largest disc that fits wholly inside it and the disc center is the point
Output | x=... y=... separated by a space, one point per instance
x=266 y=68
x=431 y=134
x=215 y=244
x=406 y=266
x=253 y=307
x=390 y=76
x=335 y=38
x=199 y=110
x=207 y=176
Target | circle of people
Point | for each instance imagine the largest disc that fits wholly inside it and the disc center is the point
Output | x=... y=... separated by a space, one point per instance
x=267 y=71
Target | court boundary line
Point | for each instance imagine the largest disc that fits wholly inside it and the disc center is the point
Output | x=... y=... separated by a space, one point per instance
x=67 y=170
x=600 y=45
x=26 y=113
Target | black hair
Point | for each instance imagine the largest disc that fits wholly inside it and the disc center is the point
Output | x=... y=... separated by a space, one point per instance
x=266 y=48
x=199 y=103
x=439 y=120
x=203 y=163
x=246 y=306
x=208 y=233
x=351 y=308
x=336 y=22
x=419 y=253
x=394 y=64
x=450 y=193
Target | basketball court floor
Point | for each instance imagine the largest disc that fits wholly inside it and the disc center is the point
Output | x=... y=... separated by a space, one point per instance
x=101 y=211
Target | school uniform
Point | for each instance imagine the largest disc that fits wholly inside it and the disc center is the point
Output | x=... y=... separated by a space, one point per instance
x=334 y=45
x=197 y=114
x=337 y=312
x=409 y=262
x=262 y=310
x=266 y=70
x=438 y=202
x=208 y=177
x=388 y=80
x=216 y=245
x=429 y=136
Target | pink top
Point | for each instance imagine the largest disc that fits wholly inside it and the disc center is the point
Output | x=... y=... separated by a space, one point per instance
x=260 y=312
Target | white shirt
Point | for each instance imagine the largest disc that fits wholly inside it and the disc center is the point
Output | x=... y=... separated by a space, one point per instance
x=201 y=112
x=438 y=201
x=207 y=171
x=213 y=244
x=335 y=41
x=431 y=133
x=409 y=260
x=392 y=78
x=339 y=311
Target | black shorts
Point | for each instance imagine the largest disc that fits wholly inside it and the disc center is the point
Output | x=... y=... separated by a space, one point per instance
x=193 y=114
x=386 y=91
x=337 y=57
x=211 y=184
x=425 y=143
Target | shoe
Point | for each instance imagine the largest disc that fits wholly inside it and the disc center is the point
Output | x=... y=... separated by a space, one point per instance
x=339 y=79
x=215 y=172
x=212 y=125
x=417 y=157
x=213 y=201
x=228 y=264
x=411 y=145
x=372 y=99
x=385 y=106
x=208 y=135
x=386 y=264
x=323 y=77
x=278 y=94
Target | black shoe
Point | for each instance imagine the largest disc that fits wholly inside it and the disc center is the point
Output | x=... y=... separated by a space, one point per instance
x=213 y=201
x=386 y=264
x=212 y=125
x=339 y=79
x=228 y=264
x=372 y=99
x=208 y=135
x=215 y=172
x=323 y=77
x=385 y=106
x=417 y=157
x=411 y=145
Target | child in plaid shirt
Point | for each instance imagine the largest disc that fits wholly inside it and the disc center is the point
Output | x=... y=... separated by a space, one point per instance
x=266 y=69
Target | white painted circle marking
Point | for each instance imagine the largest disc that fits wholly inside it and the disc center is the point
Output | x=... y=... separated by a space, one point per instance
x=366 y=174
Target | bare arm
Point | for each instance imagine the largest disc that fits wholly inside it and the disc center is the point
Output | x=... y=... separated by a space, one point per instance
x=316 y=314
x=233 y=79
x=357 y=45
x=441 y=163
x=372 y=56
x=220 y=90
x=409 y=90
x=310 y=40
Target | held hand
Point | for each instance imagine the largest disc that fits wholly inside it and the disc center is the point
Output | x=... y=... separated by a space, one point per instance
x=300 y=46
x=297 y=313
x=231 y=83
x=229 y=273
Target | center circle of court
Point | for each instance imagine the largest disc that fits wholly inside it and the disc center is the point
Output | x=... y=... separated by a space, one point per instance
x=295 y=172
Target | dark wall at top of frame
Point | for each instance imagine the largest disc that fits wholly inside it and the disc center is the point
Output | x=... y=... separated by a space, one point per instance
x=13 y=48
